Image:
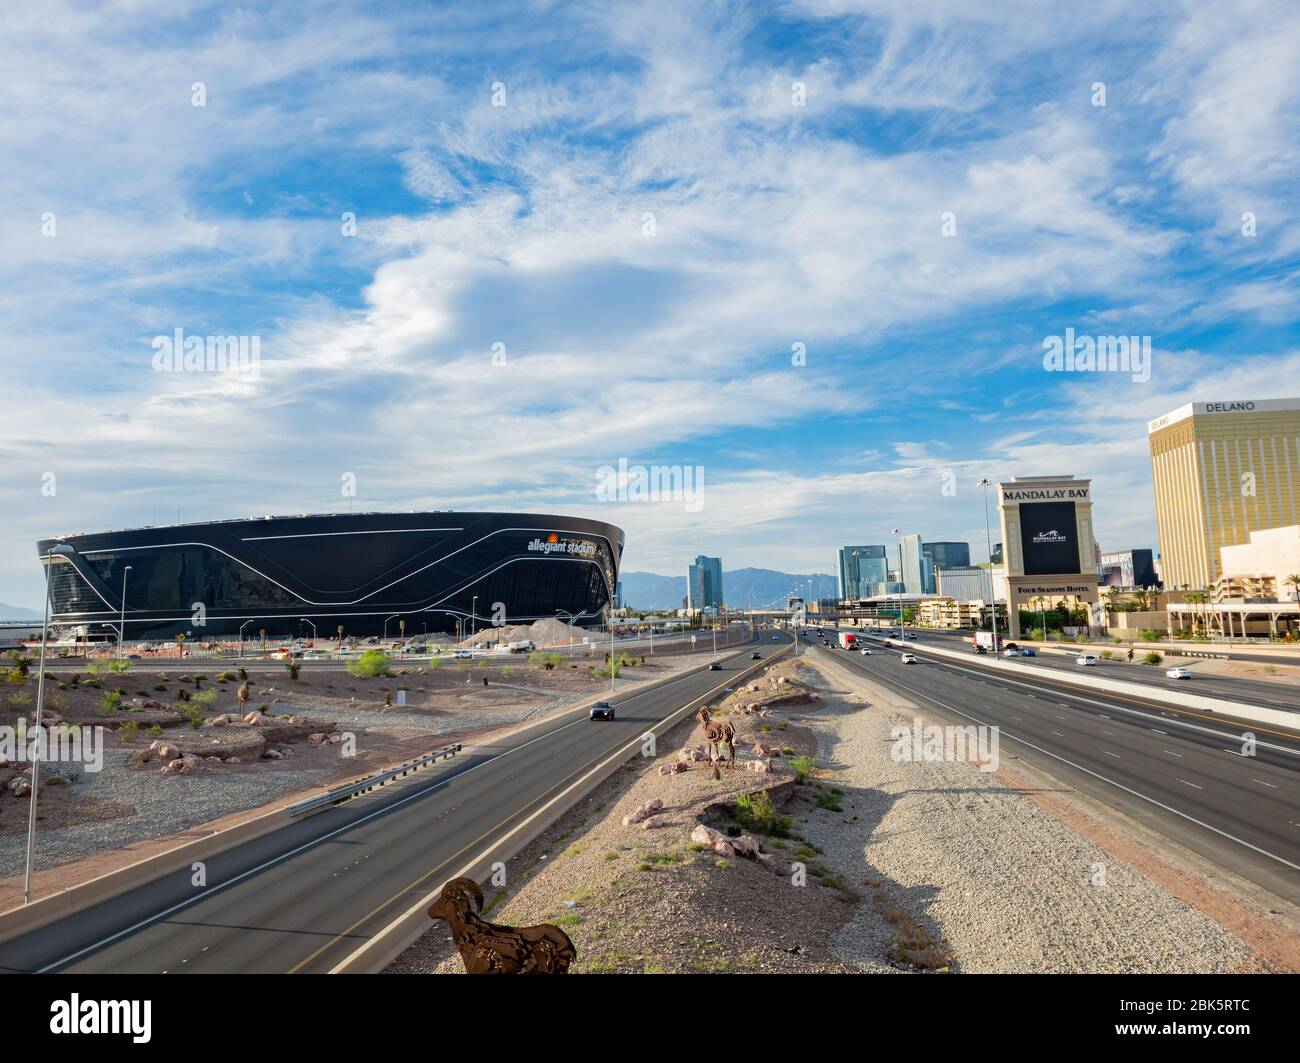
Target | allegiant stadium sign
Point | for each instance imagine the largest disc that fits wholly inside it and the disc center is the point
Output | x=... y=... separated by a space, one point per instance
x=554 y=545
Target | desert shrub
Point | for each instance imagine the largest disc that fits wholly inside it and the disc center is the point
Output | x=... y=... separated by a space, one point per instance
x=370 y=665
x=1149 y=635
x=129 y=728
x=155 y=729
x=21 y=664
x=204 y=699
x=758 y=813
x=119 y=666
x=111 y=699
x=293 y=668
x=1153 y=658
x=803 y=767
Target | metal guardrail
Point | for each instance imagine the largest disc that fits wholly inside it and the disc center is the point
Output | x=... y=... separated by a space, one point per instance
x=363 y=786
x=1198 y=653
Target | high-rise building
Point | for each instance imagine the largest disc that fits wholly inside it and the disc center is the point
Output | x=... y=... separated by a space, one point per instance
x=704 y=583
x=913 y=564
x=947 y=555
x=966 y=583
x=861 y=568
x=1221 y=470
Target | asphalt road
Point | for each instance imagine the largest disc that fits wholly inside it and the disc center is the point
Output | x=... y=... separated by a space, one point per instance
x=1177 y=771
x=1258 y=692
x=307 y=895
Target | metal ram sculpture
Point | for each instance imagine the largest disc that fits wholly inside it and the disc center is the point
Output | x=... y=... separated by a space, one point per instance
x=487 y=948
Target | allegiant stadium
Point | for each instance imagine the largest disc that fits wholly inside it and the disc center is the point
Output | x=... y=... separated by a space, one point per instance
x=367 y=573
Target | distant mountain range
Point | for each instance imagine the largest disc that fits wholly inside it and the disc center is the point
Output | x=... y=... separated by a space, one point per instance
x=17 y=612
x=646 y=590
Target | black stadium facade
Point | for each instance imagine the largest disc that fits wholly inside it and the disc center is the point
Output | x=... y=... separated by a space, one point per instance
x=365 y=572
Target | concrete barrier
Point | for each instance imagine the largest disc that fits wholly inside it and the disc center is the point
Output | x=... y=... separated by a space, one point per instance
x=1009 y=668
x=407 y=928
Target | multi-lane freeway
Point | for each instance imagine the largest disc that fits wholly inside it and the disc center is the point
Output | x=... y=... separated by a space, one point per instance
x=1179 y=771
x=306 y=896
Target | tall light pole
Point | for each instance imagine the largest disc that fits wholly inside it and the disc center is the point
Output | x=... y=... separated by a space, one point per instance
x=39 y=748
x=304 y=620
x=241 y=638
x=121 y=623
x=988 y=539
x=473 y=617
x=386 y=625
x=902 y=582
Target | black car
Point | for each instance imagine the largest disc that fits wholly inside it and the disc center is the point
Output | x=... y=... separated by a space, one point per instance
x=602 y=710
x=755 y=656
x=715 y=667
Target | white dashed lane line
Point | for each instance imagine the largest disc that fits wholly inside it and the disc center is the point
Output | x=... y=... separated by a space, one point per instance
x=1191 y=784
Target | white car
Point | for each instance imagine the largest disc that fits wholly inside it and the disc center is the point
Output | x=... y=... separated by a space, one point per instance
x=1086 y=659
x=1179 y=673
x=1010 y=653
x=865 y=652
x=909 y=658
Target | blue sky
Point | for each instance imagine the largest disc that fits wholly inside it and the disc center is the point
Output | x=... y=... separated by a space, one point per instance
x=523 y=225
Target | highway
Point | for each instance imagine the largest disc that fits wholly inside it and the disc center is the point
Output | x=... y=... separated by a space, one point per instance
x=304 y=897
x=1179 y=772
x=1259 y=692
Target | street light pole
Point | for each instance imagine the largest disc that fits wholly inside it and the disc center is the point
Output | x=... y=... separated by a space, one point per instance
x=988 y=539
x=473 y=617
x=39 y=748
x=901 y=581
x=121 y=623
x=241 y=639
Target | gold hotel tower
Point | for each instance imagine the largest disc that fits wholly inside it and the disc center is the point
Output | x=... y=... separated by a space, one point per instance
x=1221 y=470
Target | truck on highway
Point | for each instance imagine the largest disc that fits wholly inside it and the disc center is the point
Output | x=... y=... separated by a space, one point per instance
x=987 y=640
x=848 y=640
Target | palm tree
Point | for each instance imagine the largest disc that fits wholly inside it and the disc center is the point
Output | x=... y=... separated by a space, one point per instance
x=1293 y=581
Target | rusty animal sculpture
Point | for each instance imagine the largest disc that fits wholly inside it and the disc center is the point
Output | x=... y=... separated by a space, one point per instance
x=718 y=734
x=487 y=948
x=242 y=695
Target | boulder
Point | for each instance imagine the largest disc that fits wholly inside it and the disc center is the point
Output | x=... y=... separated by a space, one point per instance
x=746 y=845
x=644 y=812
x=723 y=848
x=273 y=754
x=651 y=822
x=20 y=787
x=761 y=766
x=703 y=835
x=690 y=755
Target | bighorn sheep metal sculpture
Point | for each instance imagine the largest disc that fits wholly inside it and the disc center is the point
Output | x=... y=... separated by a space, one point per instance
x=718 y=734
x=487 y=948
